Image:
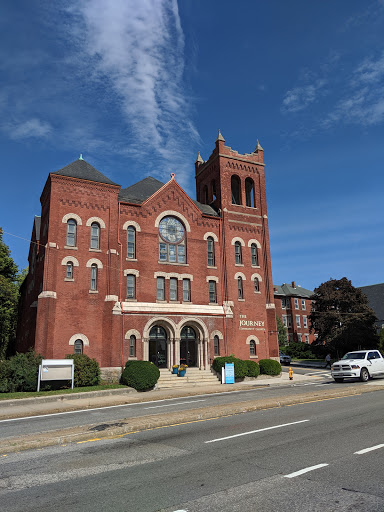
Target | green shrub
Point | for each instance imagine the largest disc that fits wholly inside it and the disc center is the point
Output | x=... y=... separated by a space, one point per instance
x=269 y=367
x=20 y=372
x=299 y=350
x=241 y=369
x=253 y=369
x=140 y=375
x=87 y=370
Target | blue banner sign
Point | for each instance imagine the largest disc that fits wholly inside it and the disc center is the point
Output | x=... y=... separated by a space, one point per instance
x=229 y=373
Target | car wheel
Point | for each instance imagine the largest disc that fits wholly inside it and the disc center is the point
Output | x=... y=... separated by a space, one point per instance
x=339 y=379
x=364 y=375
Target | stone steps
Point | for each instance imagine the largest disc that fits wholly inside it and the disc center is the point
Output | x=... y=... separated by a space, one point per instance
x=193 y=377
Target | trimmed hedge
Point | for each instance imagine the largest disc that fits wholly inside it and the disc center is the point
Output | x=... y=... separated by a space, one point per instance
x=140 y=375
x=20 y=372
x=241 y=369
x=253 y=369
x=269 y=367
x=87 y=370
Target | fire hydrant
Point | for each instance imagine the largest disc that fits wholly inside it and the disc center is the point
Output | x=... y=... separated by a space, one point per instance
x=290 y=373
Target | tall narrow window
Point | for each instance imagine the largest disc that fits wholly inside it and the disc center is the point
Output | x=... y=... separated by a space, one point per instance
x=160 y=288
x=71 y=233
x=131 y=286
x=216 y=350
x=254 y=256
x=132 y=346
x=238 y=256
x=173 y=288
x=95 y=236
x=131 y=243
x=249 y=193
x=205 y=194
x=252 y=348
x=240 y=288
x=213 y=186
x=211 y=251
x=236 y=190
x=94 y=277
x=257 y=285
x=78 y=347
x=298 y=323
x=69 y=273
x=186 y=290
x=212 y=292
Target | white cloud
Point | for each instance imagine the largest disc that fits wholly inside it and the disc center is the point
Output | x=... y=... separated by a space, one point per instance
x=299 y=98
x=32 y=128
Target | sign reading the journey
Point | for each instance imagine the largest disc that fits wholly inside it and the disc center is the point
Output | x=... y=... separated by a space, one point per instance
x=229 y=373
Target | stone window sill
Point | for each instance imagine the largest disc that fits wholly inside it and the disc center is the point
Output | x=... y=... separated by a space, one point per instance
x=241 y=300
x=95 y=250
x=239 y=264
x=93 y=291
x=68 y=279
x=130 y=300
x=254 y=357
x=131 y=259
x=173 y=263
x=70 y=247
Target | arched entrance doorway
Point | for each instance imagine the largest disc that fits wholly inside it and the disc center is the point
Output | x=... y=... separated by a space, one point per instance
x=158 y=346
x=188 y=346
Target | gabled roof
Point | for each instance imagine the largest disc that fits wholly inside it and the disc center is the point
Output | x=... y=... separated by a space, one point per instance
x=288 y=290
x=140 y=191
x=84 y=171
x=375 y=294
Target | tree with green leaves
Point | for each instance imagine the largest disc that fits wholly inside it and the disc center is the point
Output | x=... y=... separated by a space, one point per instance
x=282 y=334
x=9 y=296
x=341 y=317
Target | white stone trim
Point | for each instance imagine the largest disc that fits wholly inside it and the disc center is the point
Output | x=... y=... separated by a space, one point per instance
x=238 y=239
x=208 y=234
x=52 y=245
x=168 y=324
x=252 y=337
x=81 y=337
x=197 y=324
x=112 y=251
x=47 y=295
x=212 y=278
x=132 y=332
x=254 y=241
x=113 y=298
x=258 y=277
x=240 y=274
x=216 y=333
x=160 y=274
x=270 y=306
x=131 y=223
x=131 y=271
x=186 y=276
x=68 y=216
x=65 y=260
x=94 y=261
x=173 y=308
x=173 y=214
x=95 y=219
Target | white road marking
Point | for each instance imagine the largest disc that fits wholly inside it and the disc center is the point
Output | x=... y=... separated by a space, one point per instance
x=255 y=431
x=305 y=470
x=171 y=405
x=360 y=452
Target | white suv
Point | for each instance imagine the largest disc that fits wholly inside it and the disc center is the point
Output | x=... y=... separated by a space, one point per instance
x=363 y=364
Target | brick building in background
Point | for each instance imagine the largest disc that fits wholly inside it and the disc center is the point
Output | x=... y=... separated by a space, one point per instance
x=293 y=306
x=148 y=273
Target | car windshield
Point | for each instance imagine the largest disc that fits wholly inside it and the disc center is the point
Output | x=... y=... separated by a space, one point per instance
x=354 y=355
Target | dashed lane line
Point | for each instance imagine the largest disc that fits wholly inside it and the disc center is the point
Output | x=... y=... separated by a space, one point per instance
x=366 y=450
x=305 y=470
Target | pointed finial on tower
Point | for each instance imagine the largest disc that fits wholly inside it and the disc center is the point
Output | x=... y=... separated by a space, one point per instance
x=220 y=137
x=199 y=159
x=81 y=156
x=172 y=175
x=258 y=146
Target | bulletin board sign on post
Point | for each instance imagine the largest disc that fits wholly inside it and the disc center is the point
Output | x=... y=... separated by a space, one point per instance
x=56 y=369
x=229 y=373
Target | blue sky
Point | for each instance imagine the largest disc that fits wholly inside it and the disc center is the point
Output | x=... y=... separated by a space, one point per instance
x=140 y=86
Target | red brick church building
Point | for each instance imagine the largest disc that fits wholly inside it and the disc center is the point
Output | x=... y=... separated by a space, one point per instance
x=146 y=272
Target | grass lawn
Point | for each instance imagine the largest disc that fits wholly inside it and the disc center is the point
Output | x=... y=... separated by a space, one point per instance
x=34 y=394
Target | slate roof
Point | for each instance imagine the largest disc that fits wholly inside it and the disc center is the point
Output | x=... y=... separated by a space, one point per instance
x=375 y=294
x=288 y=290
x=84 y=171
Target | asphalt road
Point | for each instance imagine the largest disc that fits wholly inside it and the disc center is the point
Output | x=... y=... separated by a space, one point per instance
x=318 y=456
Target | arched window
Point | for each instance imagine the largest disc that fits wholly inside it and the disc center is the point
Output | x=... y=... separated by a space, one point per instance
x=71 y=232
x=69 y=270
x=257 y=285
x=211 y=251
x=236 y=190
x=95 y=236
x=78 y=347
x=249 y=192
x=131 y=243
x=252 y=348
x=238 y=255
x=131 y=286
x=205 y=194
x=216 y=348
x=240 y=288
x=132 y=346
x=254 y=255
x=94 y=277
x=172 y=240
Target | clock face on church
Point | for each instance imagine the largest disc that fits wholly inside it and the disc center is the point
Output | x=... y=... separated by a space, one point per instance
x=171 y=230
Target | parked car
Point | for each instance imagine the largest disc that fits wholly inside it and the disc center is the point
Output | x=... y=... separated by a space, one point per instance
x=284 y=359
x=363 y=364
